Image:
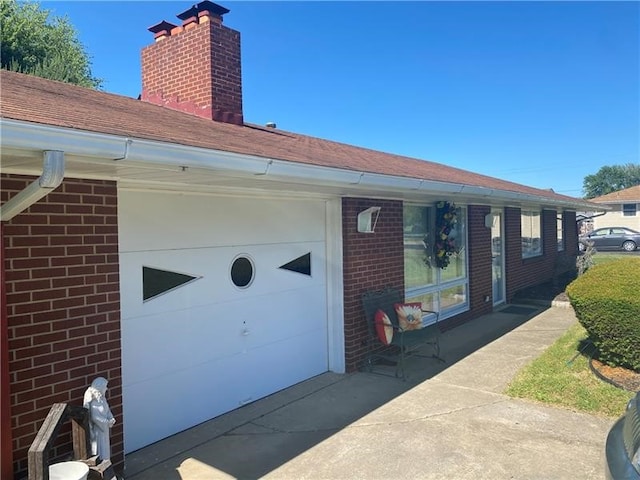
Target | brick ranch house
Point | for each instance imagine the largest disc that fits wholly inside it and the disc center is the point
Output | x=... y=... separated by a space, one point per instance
x=173 y=248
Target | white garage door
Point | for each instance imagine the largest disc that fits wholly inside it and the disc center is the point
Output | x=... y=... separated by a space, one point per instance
x=223 y=302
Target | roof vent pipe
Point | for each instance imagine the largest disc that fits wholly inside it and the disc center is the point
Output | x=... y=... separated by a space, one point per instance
x=51 y=178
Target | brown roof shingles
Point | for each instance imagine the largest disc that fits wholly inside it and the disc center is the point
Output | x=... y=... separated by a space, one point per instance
x=628 y=195
x=32 y=99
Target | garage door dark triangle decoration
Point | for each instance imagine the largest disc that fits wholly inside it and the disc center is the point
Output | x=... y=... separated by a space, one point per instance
x=299 y=265
x=156 y=282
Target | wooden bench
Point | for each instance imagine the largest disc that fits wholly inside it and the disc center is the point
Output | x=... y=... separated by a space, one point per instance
x=392 y=341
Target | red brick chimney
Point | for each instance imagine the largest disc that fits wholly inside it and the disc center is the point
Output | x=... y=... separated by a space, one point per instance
x=195 y=68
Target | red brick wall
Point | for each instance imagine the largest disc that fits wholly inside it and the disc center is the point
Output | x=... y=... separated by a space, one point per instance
x=197 y=71
x=525 y=272
x=371 y=261
x=63 y=306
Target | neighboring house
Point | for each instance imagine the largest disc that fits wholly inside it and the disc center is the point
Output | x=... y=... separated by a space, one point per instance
x=624 y=208
x=200 y=263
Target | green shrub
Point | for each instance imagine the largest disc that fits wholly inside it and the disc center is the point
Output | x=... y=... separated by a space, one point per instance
x=606 y=300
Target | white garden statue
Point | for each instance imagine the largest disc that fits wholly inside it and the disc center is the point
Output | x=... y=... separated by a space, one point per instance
x=100 y=418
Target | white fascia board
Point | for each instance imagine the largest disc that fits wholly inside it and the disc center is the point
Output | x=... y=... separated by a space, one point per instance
x=617 y=202
x=30 y=136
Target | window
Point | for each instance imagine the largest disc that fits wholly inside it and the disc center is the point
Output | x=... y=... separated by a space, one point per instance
x=418 y=223
x=531 y=233
x=444 y=290
x=629 y=209
x=156 y=281
x=242 y=272
x=560 y=231
x=619 y=231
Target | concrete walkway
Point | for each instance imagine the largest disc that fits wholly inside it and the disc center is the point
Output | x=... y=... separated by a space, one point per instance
x=448 y=421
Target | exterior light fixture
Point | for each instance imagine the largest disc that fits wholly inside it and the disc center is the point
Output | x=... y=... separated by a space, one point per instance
x=488 y=220
x=367 y=219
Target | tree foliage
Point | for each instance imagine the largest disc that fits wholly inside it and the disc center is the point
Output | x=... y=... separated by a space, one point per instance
x=611 y=179
x=35 y=42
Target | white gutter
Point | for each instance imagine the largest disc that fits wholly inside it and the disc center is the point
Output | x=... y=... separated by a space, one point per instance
x=125 y=150
x=34 y=136
x=52 y=175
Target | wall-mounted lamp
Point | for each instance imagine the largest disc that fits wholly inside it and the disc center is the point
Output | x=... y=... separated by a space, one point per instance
x=367 y=219
x=488 y=220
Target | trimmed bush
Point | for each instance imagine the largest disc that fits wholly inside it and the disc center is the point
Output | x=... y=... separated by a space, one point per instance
x=606 y=300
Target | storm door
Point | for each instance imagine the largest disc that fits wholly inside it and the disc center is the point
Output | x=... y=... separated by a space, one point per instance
x=497 y=256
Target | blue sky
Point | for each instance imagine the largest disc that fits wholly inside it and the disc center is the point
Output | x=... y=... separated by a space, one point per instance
x=539 y=93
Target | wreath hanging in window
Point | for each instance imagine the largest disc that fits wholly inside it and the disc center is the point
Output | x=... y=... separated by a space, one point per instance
x=445 y=244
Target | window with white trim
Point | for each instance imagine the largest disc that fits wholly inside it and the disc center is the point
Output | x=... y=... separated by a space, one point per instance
x=560 y=231
x=442 y=290
x=531 y=233
x=629 y=209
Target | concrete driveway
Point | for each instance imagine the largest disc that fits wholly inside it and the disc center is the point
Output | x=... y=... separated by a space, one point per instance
x=448 y=421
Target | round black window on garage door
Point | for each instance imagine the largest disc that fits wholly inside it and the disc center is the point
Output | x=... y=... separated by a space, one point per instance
x=242 y=272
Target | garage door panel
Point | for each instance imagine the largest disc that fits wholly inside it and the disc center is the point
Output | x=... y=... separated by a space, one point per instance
x=221 y=221
x=196 y=337
x=263 y=371
x=152 y=412
x=213 y=389
x=212 y=332
x=302 y=311
x=213 y=266
x=300 y=360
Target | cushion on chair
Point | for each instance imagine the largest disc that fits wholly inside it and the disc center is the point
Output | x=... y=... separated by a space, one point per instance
x=409 y=315
x=384 y=329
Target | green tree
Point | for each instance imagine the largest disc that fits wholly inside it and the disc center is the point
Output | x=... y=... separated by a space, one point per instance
x=35 y=42
x=611 y=179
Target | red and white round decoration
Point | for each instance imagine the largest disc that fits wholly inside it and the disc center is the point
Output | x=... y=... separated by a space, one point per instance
x=384 y=328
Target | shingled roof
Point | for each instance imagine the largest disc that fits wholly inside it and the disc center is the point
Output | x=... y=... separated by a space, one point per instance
x=31 y=99
x=628 y=195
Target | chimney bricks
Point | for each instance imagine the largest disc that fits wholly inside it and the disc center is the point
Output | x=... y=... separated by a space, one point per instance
x=162 y=30
x=195 y=68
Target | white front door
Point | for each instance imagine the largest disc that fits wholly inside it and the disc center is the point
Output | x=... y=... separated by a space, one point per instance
x=497 y=255
x=223 y=303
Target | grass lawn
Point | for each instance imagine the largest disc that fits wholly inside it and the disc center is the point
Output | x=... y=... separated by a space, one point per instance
x=599 y=258
x=555 y=379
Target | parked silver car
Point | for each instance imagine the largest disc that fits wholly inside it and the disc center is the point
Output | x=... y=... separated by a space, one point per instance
x=611 y=238
x=623 y=445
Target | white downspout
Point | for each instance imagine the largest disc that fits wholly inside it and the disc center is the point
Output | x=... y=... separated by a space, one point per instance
x=51 y=178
